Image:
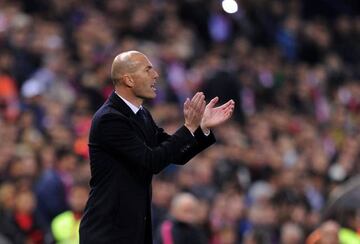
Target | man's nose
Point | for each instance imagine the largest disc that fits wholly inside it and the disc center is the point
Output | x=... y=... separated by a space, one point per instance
x=156 y=74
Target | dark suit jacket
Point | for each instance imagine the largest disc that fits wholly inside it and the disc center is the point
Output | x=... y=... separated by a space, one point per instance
x=124 y=154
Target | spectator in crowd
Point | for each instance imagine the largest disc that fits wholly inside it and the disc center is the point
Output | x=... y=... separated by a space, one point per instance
x=182 y=227
x=291 y=233
x=292 y=67
x=65 y=226
x=22 y=224
x=54 y=185
x=9 y=231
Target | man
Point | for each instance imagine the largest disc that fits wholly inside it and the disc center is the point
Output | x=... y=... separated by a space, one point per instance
x=65 y=226
x=182 y=226
x=127 y=148
x=53 y=185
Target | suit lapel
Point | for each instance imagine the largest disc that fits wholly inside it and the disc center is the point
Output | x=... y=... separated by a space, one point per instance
x=142 y=128
x=122 y=107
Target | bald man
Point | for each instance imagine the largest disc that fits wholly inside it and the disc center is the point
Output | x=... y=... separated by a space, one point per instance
x=182 y=227
x=127 y=148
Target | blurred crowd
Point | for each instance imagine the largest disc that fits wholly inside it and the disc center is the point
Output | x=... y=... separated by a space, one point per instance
x=291 y=66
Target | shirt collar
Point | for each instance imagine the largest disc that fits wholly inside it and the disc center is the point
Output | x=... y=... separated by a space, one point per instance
x=133 y=108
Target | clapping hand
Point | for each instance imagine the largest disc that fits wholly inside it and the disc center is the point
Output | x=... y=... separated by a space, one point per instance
x=214 y=116
x=194 y=110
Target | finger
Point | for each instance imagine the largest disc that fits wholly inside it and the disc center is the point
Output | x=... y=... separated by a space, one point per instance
x=227 y=104
x=187 y=106
x=187 y=102
x=229 y=112
x=199 y=101
x=230 y=107
x=199 y=96
x=213 y=102
x=230 y=102
x=203 y=106
x=193 y=103
x=196 y=96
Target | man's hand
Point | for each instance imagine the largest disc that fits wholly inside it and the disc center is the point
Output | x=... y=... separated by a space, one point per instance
x=214 y=116
x=194 y=110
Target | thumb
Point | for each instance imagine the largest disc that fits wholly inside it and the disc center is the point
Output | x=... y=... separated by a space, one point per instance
x=213 y=102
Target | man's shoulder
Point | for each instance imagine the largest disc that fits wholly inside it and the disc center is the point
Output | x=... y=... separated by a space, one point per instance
x=107 y=111
x=105 y=116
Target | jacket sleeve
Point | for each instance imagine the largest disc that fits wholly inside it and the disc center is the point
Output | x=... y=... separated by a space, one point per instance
x=119 y=138
x=202 y=142
x=189 y=151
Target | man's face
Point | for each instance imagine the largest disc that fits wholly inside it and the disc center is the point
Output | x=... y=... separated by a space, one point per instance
x=144 y=78
x=78 y=198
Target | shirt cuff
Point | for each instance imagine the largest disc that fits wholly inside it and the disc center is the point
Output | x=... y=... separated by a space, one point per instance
x=206 y=133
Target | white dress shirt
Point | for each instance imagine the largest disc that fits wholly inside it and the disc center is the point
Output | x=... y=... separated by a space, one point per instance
x=133 y=108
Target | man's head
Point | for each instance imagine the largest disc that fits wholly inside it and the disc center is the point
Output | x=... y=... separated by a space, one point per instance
x=78 y=196
x=291 y=233
x=134 y=77
x=66 y=160
x=184 y=208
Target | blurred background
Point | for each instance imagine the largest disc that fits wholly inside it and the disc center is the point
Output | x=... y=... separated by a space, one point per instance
x=284 y=170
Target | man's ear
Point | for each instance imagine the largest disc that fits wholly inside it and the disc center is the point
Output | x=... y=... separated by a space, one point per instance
x=128 y=81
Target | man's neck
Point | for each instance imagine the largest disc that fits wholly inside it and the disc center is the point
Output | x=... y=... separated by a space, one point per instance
x=130 y=98
x=131 y=105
